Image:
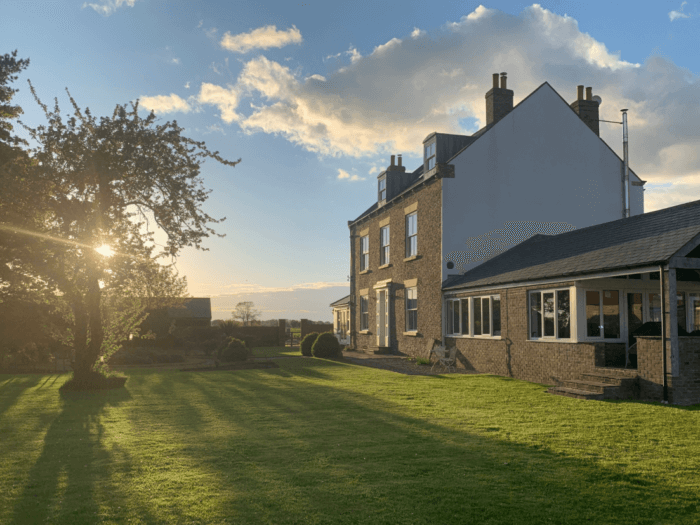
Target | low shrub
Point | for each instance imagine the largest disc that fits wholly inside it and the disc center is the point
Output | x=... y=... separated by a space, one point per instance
x=307 y=343
x=422 y=361
x=326 y=345
x=92 y=382
x=234 y=350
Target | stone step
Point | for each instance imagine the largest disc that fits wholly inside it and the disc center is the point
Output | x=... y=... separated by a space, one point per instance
x=574 y=392
x=596 y=387
x=610 y=378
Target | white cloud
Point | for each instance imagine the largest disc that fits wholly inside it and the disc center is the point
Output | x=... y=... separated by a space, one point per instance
x=261 y=38
x=674 y=15
x=187 y=85
x=250 y=288
x=354 y=55
x=344 y=175
x=316 y=77
x=416 y=33
x=165 y=104
x=175 y=61
x=392 y=98
x=107 y=7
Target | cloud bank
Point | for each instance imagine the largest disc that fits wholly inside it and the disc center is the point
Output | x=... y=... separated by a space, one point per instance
x=261 y=38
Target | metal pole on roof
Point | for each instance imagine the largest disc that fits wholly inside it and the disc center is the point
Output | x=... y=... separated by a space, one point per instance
x=627 y=163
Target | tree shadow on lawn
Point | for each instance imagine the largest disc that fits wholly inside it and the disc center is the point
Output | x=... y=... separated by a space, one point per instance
x=75 y=469
x=13 y=387
x=376 y=464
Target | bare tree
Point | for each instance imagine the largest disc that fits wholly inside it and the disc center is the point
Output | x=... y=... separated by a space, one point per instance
x=245 y=312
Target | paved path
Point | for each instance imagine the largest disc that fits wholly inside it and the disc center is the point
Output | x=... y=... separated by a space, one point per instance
x=401 y=365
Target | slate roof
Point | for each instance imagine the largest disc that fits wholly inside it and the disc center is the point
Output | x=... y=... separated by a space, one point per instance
x=342 y=302
x=192 y=308
x=642 y=240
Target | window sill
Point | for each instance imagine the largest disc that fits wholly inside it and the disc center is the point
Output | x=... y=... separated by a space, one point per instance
x=364 y=332
x=495 y=337
x=412 y=334
x=387 y=265
x=411 y=258
x=552 y=340
x=363 y=272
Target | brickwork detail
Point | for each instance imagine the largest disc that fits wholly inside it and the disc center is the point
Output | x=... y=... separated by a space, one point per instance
x=683 y=389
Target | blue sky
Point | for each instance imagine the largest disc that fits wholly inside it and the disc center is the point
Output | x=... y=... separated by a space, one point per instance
x=315 y=96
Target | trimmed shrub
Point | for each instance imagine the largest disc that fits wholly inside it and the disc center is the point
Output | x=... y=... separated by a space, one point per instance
x=326 y=345
x=234 y=350
x=307 y=343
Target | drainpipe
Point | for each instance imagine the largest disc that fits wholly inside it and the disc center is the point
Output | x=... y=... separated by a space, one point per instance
x=663 y=333
x=353 y=313
x=627 y=163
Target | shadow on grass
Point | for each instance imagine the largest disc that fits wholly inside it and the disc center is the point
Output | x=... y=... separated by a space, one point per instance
x=13 y=387
x=73 y=471
x=317 y=453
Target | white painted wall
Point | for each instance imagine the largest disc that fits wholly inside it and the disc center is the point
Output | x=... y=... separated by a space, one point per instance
x=540 y=163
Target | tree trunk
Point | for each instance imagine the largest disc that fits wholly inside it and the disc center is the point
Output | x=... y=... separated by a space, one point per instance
x=80 y=333
x=87 y=351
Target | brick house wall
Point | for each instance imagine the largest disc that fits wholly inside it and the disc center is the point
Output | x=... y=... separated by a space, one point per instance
x=683 y=389
x=514 y=355
x=425 y=269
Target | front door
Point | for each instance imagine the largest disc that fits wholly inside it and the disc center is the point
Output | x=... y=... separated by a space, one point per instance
x=383 y=318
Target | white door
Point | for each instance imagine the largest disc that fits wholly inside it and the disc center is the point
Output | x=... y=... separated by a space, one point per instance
x=383 y=318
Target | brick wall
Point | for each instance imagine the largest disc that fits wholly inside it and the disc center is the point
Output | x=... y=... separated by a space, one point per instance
x=683 y=389
x=426 y=268
x=514 y=355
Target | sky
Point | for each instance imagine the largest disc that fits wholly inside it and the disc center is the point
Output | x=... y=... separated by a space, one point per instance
x=314 y=97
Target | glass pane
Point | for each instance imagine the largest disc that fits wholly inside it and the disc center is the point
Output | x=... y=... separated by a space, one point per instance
x=611 y=314
x=681 y=311
x=496 y=316
x=634 y=315
x=548 y=307
x=477 y=317
x=465 y=316
x=694 y=307
x=655 y=307
x=450 y=323
x=456 y=317
x=485 y=327
x=431 y=163
x=563 y=315
x=535 y=314
x=593 y=314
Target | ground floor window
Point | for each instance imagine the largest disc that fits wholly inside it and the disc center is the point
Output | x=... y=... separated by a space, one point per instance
x=550 y=314
x=485 y=318
x=364 y=312
x=411 y=309
x=603 y=314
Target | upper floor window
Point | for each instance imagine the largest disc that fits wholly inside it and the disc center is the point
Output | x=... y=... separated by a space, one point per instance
x=412 y=234
x=430 y=155
x=364 y=253
x=382 y=189
x=364 y=312
x=550 y=314
x=411 y=309
x=384 y=243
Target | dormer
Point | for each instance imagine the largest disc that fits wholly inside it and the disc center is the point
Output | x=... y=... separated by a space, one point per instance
x=392 y=181
x=438 y=148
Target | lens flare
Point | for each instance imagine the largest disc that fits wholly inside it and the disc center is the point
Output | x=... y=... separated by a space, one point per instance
x=105 y=250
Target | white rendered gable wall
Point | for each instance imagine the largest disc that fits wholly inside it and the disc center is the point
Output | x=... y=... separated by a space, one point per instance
x=538 y=166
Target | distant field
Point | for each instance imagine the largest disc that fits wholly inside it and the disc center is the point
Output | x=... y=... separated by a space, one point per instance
x=318 y=441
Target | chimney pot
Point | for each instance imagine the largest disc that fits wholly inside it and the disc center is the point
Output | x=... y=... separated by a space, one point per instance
x=589 y=93
x=579 y=92
x=392 y=159
x=399 y=159
x=495 y=80
x=503 y=80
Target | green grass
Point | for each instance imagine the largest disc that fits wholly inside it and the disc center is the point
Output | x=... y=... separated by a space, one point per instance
x=319 y=441
x=276 y=351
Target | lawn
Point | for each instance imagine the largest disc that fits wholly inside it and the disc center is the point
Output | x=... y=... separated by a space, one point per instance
x=318 y=441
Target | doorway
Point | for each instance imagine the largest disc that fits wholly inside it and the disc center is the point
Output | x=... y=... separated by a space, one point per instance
x=383 y=318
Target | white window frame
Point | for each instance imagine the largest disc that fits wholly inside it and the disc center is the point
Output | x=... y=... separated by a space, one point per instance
x=364 y=314
x=622 y=305
x=411 y=291
x=382 y=189
x=364 y=253
x=430 y=156
x=555 y=337
x=411 y=248
x=384 y=250
x=469 y=332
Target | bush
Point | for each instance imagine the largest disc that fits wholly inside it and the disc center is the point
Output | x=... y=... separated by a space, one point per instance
x=234 y=350
x=307 y=343
x=326 y=345
x=93 y=381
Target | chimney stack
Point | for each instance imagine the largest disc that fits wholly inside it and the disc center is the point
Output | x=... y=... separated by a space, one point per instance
x=499 y=100
x=587 y=109
x=399 y=160
x=392 y=160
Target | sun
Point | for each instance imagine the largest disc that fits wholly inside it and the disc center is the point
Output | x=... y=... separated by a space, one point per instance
x=105 y=250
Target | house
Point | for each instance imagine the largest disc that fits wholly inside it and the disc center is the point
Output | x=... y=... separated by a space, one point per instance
x=538 y=167
x=179 y=313
x=341 y=320
x=564 y=309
